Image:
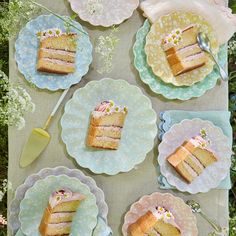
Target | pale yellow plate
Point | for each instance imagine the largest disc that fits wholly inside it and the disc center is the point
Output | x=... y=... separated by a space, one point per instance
x=156 y=57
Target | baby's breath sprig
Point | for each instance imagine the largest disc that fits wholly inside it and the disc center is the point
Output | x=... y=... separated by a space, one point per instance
x=15 y=102
x=105 y=47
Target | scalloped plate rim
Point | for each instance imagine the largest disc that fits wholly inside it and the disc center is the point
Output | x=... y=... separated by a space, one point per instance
x=111 y=173
x=17 y=56
x=164 y=172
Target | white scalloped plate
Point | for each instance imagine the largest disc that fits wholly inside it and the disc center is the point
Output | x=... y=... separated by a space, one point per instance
x=36 y=200
x=14 y=223
x=182 y=213
x=212 y=175
x=138 y=133
x=104 y=12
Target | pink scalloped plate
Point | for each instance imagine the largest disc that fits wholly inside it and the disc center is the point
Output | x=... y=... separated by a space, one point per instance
x=104 y=12
x=183 y=215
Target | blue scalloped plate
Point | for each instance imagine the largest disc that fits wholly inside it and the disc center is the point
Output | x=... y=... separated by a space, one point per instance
x=27 y=52
x=36 y=200
x=138 y=134
x=168 y=90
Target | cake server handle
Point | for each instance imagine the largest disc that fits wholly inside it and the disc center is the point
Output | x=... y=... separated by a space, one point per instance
x=55 y=109
x=216 y=227
x=222 y=72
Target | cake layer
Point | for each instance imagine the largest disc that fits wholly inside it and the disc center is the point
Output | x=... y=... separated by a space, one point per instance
x=182 y=154
x=188 y=64
x=143 y=225
x=102 y=142
x=189 y=37
x=57 y=54
x=186 y=172
x=61 y=217
x=55 y=229
x=65 y=42
x=165 y=229
x=182 y=53
x=114 y=119
x=55 y=66
x=197 y=146
x=108 y=131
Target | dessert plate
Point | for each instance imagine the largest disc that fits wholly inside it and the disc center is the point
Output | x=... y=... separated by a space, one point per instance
x=168 y=90
x=36 y=200
x=156 y=56
x=212 y=175
x=14 y=223
x=182 y=213
x=27 y=52
x=104 y=12
x=137 y=135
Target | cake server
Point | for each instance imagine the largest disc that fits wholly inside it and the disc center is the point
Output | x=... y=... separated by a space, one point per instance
x=39 y=138
x=196 y=208
x=205 y=44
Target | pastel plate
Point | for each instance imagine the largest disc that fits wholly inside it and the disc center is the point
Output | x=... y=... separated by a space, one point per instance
x=156 y=57
x=27 y=52
x=104 y=12
x=36 y=200
x=183 y=215
x=14 y=209
x=137 y=135
x=157 y=85
x=212 y=175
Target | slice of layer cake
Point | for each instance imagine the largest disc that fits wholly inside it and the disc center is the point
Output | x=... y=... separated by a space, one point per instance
x=190 y=159
x=198 y=147
x=57 y=52
x=106 y=123
x=156 y=222
x=59 y=213
x=182 y=51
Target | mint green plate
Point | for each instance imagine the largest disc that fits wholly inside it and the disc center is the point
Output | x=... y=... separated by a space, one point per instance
x=168 y=90
x=36 y=200
x=138 y=134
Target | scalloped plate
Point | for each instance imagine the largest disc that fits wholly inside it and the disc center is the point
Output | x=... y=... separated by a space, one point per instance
x=168 y=90
x=156 y=57
x=104 y=12
x=182 y=213
x=26 y=54
x=36 y=200
x=14 y=209
x=212 y=175
x=137 y=135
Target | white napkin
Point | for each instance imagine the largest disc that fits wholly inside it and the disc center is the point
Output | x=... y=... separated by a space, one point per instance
x=215 y=11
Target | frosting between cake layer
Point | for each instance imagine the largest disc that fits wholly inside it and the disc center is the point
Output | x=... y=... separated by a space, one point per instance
x=107 y=139
x=190 y=170
x=64 y=195
x=61 y=214
x=59 y=225
x=58 y=51
x=59 y=62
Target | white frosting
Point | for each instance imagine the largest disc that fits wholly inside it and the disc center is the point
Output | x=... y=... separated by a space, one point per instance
x=58 y=51
x=62 y=214
x=60 y=225
x=190 y=170
x=195 y=56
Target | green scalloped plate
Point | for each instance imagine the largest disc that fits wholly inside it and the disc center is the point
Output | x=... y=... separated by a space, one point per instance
x=36 y=200
x=168 y=90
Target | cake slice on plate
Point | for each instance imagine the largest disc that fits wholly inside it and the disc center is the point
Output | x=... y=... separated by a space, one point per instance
x=182 y=50
x=57 y=52
x=106 y=123
x=155 y=222
x=59 y=213
x=190 y=159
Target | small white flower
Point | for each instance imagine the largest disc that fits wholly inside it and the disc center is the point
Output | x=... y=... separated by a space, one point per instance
x=20 y=123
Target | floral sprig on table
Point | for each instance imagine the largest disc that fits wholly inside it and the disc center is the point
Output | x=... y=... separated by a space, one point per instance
x=3 y=221
x=105 y=47
x=15 y=102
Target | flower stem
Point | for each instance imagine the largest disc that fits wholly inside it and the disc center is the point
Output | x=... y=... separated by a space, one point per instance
x=58 y=16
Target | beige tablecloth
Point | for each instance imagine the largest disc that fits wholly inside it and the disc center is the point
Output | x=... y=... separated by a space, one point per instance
x=123 y=189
